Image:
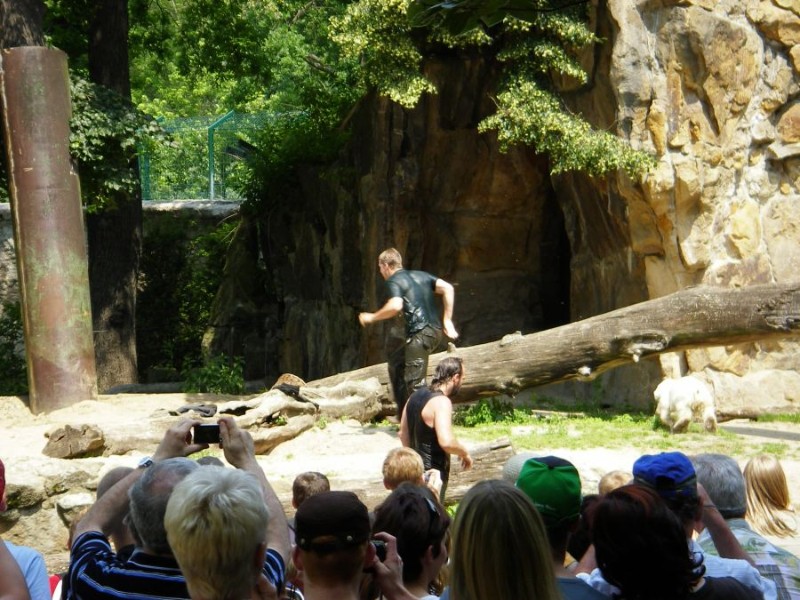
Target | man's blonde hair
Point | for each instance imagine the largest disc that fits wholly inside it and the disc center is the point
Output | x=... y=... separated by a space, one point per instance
x=613 y=480
x=215 y=520
x=401 y=465
x=391 y=258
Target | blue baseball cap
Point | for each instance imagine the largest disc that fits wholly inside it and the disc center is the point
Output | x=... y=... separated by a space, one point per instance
x=671 y=474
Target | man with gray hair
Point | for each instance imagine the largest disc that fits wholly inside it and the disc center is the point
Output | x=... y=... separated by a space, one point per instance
x=151 y=572
x=724 y=483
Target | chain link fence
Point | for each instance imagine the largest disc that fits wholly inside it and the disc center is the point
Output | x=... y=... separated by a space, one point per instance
x=204 y=159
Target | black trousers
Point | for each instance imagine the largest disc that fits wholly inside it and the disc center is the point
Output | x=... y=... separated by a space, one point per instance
x=408 y=365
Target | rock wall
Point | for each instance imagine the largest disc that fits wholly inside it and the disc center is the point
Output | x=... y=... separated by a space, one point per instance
x=711 y=88
x=426 y=182
x=708 y=87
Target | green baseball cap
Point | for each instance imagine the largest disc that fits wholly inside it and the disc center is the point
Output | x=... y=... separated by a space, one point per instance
x=554 y=486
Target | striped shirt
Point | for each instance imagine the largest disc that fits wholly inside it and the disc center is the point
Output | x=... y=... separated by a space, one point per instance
x=95 y=573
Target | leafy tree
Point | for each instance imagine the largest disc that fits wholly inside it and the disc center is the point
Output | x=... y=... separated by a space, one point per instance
x=533 y=40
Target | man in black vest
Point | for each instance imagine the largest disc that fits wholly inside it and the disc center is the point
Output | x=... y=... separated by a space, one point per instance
x=427 y=421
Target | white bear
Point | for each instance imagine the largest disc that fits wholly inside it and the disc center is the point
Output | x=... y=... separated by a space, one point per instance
x=681 y=400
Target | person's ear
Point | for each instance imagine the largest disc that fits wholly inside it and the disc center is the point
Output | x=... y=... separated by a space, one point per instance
x=297 y=558
x=573 y=527
x=260 y=556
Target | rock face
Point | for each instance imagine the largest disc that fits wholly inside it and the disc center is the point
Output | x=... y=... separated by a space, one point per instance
x=423 y=181
x=709 y=87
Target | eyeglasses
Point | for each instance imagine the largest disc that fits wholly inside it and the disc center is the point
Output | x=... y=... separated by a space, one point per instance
x=433 y=515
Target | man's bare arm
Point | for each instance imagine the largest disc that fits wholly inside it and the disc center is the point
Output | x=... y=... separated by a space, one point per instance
x=12 y=581
x=724 y=540
x=238 y=447
x=446 y=291
x=111 y=506
x=443 y=423
x=392 y=308
x=404 y=434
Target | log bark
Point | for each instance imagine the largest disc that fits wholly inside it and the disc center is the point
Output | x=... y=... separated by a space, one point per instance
x=690 y=318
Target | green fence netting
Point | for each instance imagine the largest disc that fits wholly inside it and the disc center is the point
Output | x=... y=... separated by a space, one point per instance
x=203 y=158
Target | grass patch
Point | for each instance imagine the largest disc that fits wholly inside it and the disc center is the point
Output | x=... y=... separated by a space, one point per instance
x=585 y=428
x=780 y=418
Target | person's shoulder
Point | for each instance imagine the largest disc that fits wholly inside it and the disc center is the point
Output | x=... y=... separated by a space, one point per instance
x=573 y=588
x=727 y=588
x=24 y=555
x=274 y=568
x=438 y=399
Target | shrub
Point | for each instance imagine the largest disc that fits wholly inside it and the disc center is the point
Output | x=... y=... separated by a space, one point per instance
x=13 y=371
x=220 y=375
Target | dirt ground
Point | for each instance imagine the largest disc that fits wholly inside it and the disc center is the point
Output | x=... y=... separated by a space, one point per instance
x=351 y=454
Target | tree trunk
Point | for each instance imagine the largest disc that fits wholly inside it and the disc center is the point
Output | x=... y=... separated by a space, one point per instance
x=21 y=23
x=690 y=318
x=115 y=233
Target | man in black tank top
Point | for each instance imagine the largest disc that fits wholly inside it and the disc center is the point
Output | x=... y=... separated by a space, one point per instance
x=427 y=421
x=414 y=294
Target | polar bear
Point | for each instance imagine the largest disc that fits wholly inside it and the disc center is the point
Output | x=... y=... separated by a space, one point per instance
x=680 y=400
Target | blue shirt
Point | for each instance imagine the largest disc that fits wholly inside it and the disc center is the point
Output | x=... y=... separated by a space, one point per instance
x=95 y=573
x=33 y=569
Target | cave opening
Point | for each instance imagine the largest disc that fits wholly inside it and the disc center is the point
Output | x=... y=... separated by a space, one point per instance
x=556 y=258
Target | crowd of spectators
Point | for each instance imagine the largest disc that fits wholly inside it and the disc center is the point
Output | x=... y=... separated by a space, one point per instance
x=674 y=527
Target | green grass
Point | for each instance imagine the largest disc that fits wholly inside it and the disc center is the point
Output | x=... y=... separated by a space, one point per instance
x=584 y=428
x=780 y=418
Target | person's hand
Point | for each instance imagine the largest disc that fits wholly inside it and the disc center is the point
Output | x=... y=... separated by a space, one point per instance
x=177 y=441
x=450 y=329
x=389 y=573
x=466 y=461
x=433 y=480
x=237 y=444
x=263 y=589
x=365 y=318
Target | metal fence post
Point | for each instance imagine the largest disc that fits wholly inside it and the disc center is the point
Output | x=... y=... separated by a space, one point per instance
x=211 y=129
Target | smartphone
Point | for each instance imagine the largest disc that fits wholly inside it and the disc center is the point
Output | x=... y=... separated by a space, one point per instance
x=206 y=434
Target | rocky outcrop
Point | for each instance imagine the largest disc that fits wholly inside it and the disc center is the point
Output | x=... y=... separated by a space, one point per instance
x=711 y=89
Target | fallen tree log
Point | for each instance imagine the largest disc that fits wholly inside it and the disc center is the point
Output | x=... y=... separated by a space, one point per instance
x=690 y=318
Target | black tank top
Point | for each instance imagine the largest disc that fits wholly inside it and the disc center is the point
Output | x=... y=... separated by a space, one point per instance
x=423 y=438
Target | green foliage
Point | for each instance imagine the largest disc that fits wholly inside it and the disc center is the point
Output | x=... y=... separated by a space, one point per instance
x=106 y=131
x=180 y=278
x=533 y=41
x=13 y=372
x=284 y=144
x=530 y=115
x=219 y=375
x=779 y=418
x=485 y=411
x=377 y=33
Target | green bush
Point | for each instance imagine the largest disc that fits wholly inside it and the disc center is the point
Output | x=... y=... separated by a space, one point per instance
x=13 y=372
x=180 y=278
x=492 y=410
x=220 y=375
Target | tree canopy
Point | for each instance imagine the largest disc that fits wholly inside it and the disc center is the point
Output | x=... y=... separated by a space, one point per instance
x=313 y=60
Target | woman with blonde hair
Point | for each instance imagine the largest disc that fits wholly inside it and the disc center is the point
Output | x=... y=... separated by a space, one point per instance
x=769 y=509
x=500 y=547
